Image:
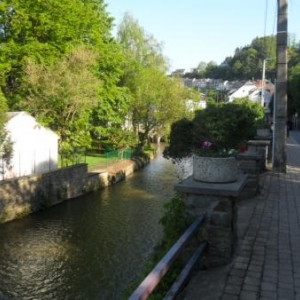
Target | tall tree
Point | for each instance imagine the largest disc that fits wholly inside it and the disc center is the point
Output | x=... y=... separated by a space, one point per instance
x=44 y=31
x=153 y=101
x=62 y=96
x=294 y=80
x=247 y=62
x=159 y=101
x=141 y=46
x=5 y=141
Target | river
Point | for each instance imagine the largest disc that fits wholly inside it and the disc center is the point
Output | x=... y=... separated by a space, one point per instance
x=91 y=247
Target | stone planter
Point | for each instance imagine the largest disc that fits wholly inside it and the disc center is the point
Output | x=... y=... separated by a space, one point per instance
x=215 y=169
x=263 y=132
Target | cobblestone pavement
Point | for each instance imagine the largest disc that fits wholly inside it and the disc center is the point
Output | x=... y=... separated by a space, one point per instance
x=267 y=261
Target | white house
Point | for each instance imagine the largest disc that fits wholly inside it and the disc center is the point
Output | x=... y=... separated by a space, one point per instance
x=253 y=91
x=244 y=91
x=256 y=96
x=35 y=147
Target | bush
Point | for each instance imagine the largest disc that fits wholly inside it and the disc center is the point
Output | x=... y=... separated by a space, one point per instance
x=227 y=125
x=181 y=139
x=174 y=221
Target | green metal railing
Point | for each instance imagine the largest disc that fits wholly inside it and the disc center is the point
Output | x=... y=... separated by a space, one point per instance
x=145 y=289
x=95 y=157
x=98 y=156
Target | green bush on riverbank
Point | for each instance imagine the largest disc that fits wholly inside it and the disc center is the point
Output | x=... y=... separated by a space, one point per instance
x=174 y=222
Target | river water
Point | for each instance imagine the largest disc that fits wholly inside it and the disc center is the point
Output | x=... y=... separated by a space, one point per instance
x=91 y=247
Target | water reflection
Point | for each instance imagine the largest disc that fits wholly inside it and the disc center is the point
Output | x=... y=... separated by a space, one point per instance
x=92 y=247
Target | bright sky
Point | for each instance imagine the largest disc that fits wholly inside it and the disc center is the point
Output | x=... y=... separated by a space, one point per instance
x=192 y=31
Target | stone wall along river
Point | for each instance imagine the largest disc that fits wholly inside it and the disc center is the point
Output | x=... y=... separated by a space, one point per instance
x=91 y=247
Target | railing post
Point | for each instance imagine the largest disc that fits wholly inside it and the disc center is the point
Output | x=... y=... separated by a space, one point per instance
x=151 y=281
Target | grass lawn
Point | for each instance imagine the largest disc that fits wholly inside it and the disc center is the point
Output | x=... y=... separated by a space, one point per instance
x=95 y=161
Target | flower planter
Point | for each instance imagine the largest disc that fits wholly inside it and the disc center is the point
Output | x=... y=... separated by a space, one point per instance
x=215 y=169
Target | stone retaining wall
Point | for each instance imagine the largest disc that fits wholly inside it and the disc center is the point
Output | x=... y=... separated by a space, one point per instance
x=24 y=195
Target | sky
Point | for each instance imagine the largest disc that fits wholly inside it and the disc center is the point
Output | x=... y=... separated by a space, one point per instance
x=194 y=31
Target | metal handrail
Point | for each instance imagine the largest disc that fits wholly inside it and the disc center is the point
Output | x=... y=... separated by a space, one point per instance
x=183 y=276
x=154 y=277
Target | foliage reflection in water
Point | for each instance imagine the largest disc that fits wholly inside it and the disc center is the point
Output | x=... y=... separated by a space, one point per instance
x=92 y=247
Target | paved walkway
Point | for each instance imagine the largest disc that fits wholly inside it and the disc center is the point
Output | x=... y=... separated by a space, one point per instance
x=267 y=262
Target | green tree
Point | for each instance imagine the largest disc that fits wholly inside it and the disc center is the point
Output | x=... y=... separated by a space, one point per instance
x=3 y=111
x=215 y=96
x=154 y=103
x=139 y=45
x=44 y=31
x=159 y=101
x=5 y=141
x=201 y=66
x=247 y=62
x=293 y=79
x=62 y=96
x=211 y=69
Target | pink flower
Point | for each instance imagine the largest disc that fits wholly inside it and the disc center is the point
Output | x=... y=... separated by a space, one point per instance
x=207 y=144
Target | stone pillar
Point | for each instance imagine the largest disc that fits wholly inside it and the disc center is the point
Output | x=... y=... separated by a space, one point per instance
x=267 y=138
x=262 y=147
x=218 y=203
x=279 y=161
x=250 y=164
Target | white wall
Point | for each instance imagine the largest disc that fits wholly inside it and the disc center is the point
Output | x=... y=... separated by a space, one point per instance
x=35 y=148
x=243 y=91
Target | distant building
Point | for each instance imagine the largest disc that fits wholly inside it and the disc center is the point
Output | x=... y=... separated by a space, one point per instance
x=244 y=91
x=255 y=92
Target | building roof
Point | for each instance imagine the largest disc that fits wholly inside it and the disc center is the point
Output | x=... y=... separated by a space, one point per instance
x=12 y=114
x=35 y=125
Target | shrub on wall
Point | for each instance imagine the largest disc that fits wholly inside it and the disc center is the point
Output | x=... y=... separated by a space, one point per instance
x=174 y=222
x=227 y=125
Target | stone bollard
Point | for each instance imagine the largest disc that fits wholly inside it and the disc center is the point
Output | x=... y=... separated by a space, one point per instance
x=250 y=164
x=218 y=203
x=266 y=138
x=262 y=147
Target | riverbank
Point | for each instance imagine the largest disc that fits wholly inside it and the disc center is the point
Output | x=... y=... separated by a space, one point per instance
x=97 y=244
x=119 y=170
x=22 y=196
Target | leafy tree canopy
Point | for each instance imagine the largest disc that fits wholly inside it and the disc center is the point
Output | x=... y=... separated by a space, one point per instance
x=44 y=31
x=3 y=111
x=246 y=63
x=62 y=95
x=294 y=80
x=156 y=98
x=5 y=141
